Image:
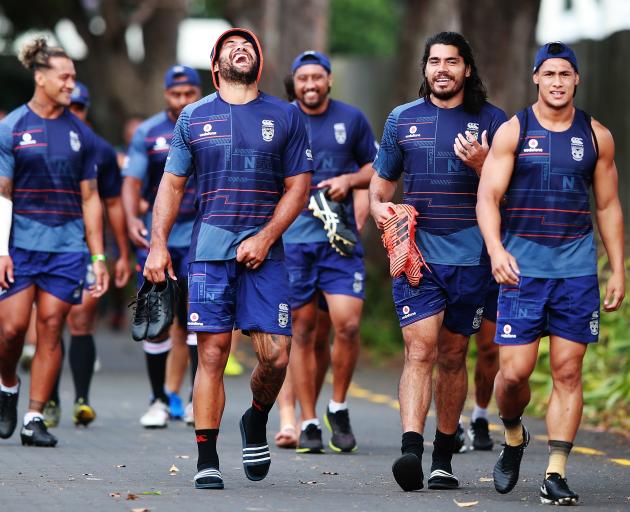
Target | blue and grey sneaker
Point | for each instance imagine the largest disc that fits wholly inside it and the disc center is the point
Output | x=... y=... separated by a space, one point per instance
x=176 y=406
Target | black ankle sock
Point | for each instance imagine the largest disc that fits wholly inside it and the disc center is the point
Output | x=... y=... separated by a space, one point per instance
x=156 y=367
x=194 y=362
x=54 y=394
x=512 y=422
x=207 y=448
x=443 y=451
x=82 y=355
x=412 y=442
x=255 y=422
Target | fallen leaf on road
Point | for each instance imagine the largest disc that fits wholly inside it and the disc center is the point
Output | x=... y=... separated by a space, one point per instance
x=121 y=466
x=174 y=469
x=465 y=504
x=310 y=482
x=131 y=497
x=114 y=494
x=88 y=474
x=151 y=493
x=330 y=473
x=486 y=479
x=182 y=456
x=140 y=510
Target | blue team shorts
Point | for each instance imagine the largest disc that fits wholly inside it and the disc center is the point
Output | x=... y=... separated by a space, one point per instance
x=567 y=307
x=225 y=295
x=492 y=298
x=179 y=257
x=59 y=273
x=317 y=266
x=460 y=291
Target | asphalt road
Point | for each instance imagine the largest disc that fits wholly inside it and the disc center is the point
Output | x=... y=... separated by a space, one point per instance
x=115 y=464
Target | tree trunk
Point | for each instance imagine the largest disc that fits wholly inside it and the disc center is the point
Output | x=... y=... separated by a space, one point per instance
x=124 y=87
x=501 y=33
x=503 y=37
x=285 y=28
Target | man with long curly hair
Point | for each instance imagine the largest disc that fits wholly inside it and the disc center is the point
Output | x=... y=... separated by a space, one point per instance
x=439 y=142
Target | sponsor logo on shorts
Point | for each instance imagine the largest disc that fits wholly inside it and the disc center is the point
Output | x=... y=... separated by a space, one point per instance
x=283 y=314
x=507 y=332
x=3 y=291
x=357 y=286
x=407 y=313
x=340 y=132
x=90 y=276
x=532 y=147
x=594 y=323
x=309 y=154
x=577 y=148
x=477 y=320
x=77 y=292
x=75 y=143
x=267 y=130
x=27 y=140
x=194 y=319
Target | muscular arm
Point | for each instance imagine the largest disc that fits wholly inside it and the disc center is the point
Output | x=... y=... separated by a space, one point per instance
x=495 y=178
x=130 y=195
x=381 y=194
x=253 y=251
x=93 y=220
x=165 y=210
x=116 y=217
x=609 y=215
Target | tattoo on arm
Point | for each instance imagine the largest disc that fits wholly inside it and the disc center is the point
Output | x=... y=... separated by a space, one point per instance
x=6 y=187
x=268 y=376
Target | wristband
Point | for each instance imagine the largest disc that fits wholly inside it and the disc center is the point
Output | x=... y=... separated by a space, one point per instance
x=98 y=257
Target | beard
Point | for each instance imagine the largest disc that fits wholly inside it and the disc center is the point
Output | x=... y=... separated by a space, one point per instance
x=447 y=94
x=317 y=102
x=230 y=74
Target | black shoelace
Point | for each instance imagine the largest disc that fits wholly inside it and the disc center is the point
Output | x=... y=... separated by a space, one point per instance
x=140 y=310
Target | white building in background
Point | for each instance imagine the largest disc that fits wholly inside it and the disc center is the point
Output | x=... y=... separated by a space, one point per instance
x=582 y=19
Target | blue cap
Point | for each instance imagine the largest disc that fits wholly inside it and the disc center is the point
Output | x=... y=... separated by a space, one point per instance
x=181 y=75
x=555 y=50
x=80 y=95
x=311 y=57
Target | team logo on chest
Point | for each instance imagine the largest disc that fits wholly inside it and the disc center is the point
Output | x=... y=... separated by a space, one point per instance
x=577 y=148
x=75 y=143
x=340 y=132
x=267 y=130
x=473 y=129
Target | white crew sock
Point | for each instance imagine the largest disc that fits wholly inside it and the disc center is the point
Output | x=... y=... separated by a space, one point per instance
x=12 y=389
x=30 y=416
x=313 y=421
x=334 y=407
x=479 y=412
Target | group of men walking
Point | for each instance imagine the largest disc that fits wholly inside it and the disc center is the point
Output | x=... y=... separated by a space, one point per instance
x=246 y=201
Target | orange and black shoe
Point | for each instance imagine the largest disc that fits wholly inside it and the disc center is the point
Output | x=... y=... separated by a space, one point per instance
x=399 y=233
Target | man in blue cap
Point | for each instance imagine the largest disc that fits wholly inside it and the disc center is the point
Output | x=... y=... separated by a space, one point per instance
x=166 y=356
x=81 y=319
x=545 y=160
x=323 y=251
